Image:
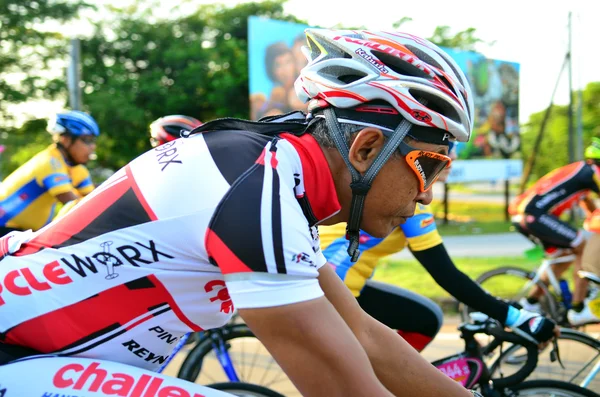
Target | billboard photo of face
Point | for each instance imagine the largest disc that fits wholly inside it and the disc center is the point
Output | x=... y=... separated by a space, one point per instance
x=495 y=87
x=275 y=62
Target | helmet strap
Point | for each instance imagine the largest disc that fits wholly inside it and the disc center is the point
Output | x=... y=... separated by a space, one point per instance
x=361 y=184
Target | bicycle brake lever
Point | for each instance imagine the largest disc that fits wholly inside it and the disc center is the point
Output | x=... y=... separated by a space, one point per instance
x=555 y=353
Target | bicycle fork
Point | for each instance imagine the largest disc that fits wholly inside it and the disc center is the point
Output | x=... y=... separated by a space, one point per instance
x=220 y=347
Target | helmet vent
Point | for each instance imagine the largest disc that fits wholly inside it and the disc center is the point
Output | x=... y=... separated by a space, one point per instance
x=436 y=104
x=341 y=74
x=399 y=66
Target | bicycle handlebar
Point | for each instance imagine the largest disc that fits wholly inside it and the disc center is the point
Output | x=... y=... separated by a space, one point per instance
x=492 y=328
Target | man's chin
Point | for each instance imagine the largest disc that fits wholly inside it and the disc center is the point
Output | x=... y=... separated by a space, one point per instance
x=381 y=231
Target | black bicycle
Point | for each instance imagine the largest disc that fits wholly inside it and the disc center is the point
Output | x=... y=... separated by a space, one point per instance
x=235 y=350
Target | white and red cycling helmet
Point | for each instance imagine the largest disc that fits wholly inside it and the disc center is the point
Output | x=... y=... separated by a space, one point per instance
x=400 y=83
x=349 y=68
x=168 y=128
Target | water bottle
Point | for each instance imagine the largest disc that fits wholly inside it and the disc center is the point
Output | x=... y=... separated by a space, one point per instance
x=566 y=294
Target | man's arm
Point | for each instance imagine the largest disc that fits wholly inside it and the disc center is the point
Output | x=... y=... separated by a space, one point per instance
x=588 y=204
x=316 y=349
x=68 y=196
x=439 y=265
x=399 y=367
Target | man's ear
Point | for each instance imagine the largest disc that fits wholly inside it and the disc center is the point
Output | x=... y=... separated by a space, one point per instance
x=366 y=146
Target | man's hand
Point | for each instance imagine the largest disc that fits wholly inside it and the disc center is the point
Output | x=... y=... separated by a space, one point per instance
x=535 y=327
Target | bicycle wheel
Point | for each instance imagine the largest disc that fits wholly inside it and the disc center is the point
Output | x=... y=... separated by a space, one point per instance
x=579 y=353
x=243 y=389
x=250 y=359
x=511 y=284
x=550 y=388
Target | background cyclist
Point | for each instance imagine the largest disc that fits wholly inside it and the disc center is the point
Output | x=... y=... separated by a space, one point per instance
x=29 y=195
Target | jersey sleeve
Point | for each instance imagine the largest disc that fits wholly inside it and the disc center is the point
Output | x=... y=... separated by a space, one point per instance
x=53 y=176
x=420 y=230
x=262 y=242
x=82 y=181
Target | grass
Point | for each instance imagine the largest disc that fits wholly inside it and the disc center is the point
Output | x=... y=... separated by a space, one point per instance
x=465 y=217
x=411 y=275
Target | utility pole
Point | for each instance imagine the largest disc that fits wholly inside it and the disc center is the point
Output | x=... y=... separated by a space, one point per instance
x=571 y=118
x=538 y=139
x=74 y=75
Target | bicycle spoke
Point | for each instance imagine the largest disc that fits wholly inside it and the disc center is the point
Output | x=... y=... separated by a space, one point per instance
x=589 y=363
x=254 y=362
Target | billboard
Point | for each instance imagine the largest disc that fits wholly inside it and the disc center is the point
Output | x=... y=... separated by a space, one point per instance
x=275 y=60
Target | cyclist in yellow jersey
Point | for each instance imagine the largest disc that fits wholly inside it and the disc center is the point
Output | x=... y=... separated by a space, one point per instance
x=415 y=317
x=57 y=174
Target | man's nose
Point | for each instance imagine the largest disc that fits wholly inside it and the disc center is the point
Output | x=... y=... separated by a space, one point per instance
x=426 y=197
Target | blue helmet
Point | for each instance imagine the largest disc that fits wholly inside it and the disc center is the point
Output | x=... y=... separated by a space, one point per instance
x=75 y=123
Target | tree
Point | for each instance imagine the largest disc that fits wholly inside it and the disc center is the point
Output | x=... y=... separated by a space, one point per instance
x=27 y=46
x=465 y=40
x=552 y=152
x=196 y=65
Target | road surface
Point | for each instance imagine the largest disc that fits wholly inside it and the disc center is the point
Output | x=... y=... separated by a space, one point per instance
x=483 y=245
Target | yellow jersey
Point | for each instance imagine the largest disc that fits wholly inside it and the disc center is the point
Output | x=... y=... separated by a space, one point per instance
x=419 y=232
x=28 y=195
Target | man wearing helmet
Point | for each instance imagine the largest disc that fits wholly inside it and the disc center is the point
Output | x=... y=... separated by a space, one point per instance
x=169 y=128
x=590 y=259
x=536 y=215
x=28 y=196
x=228 y=218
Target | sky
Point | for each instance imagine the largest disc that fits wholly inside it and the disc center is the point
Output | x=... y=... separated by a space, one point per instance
x=533 y=33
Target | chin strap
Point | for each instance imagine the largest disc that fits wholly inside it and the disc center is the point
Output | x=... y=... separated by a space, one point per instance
x=63 y=150
x=361 y=183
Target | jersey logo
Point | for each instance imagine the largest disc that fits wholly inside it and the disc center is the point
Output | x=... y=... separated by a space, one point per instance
x=167 y=154
x=222 y=295
x=303 y=257
x=109 y=260
x=427 y=222
x=93 y=378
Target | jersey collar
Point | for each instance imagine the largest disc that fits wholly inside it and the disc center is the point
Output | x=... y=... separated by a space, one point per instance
x=318 y=182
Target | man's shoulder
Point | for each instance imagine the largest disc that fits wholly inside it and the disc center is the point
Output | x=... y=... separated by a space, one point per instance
x=50 y=159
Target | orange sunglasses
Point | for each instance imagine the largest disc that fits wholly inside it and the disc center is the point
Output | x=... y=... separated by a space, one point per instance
x=425 y=164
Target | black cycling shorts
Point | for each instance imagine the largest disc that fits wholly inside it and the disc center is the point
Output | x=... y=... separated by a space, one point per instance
x=548 y=230
x=417 y=318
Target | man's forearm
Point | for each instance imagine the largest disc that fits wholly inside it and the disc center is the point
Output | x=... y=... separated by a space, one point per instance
x=401 y=369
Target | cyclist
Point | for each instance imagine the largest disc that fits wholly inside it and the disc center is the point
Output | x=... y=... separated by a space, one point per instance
x=227 y=217
x=415 y=317
x=57 y=174
x=169 y=128
x=535 y=214
x=590 y=260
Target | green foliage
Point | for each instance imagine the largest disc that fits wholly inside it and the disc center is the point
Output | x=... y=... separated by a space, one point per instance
x=464 y=40
x=411 y=275
x=135 y=71
x=26 y=50
x=553 y=151
x=23 y=144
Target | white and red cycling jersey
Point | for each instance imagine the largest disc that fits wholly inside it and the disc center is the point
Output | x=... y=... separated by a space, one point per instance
x=170 y=244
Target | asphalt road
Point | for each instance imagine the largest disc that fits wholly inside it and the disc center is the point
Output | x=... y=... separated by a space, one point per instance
x=501 y=244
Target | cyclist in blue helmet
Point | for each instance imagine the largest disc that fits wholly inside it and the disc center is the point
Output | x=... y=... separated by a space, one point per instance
x=29 y=195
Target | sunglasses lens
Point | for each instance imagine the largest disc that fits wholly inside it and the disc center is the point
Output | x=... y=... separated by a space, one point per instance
x=429 y=167
x=87 y=139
